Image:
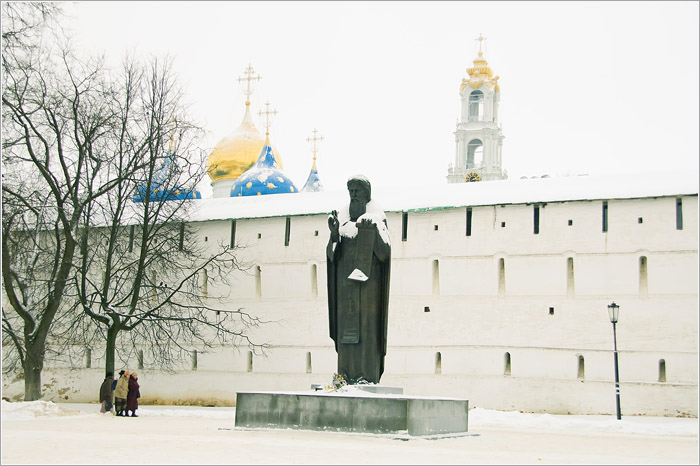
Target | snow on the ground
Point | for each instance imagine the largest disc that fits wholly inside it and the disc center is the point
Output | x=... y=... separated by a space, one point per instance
x=591 y=423
x=33 y=409
x=478 y=417
x=41 y=432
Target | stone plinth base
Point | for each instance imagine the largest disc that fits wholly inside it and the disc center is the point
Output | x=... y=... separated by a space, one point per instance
x=352 y=411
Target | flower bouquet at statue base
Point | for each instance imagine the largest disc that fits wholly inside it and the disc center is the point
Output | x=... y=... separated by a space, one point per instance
x=338 y=382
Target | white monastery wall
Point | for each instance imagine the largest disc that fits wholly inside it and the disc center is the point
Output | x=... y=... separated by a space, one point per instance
x=543 y=318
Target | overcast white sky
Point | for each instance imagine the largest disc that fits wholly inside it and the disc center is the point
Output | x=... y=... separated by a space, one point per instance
x=586 y=87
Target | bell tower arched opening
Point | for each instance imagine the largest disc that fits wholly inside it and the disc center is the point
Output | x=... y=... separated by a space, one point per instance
x=475 y=153
x=476 y=106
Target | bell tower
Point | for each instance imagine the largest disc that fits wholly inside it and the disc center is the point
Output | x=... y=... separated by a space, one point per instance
x=478 y=136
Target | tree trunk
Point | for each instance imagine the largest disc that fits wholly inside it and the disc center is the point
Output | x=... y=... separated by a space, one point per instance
x=33 y=365
x=110 y=349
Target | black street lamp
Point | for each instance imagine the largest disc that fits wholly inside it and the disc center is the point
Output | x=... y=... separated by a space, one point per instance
x=613 y=311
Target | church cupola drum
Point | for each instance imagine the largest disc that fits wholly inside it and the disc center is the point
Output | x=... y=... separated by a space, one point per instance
x=478 y=138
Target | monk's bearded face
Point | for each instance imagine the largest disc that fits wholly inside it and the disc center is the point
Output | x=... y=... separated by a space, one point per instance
x=358 y=202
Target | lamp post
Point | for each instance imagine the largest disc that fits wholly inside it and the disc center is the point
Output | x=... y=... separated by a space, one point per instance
x=613 y=311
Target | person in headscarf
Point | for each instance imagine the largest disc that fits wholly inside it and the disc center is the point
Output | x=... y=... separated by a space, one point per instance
x=132 y=403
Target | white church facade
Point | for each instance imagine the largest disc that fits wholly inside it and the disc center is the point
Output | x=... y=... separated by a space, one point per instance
x=499 y=290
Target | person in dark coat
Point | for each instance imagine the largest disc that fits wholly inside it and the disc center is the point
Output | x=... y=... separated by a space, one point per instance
x=132 y=403
x=106 y=394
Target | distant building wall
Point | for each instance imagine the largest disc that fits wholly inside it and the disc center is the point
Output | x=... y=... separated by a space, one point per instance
x=516 y=309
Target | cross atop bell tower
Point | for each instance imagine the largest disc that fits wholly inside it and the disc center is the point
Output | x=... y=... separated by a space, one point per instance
x=481 y=40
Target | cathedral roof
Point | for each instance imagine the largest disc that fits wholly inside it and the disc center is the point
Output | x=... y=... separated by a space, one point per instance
x=264 y=177
x=238 y=151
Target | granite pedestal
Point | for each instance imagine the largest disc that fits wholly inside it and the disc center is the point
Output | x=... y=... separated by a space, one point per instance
x=354 y=411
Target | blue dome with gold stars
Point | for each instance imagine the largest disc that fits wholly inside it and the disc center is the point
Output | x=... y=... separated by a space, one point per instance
x=265 y=177
x=161 y=187
x=313 y=182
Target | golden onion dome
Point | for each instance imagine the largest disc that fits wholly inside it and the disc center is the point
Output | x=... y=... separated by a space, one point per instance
x=237 y=152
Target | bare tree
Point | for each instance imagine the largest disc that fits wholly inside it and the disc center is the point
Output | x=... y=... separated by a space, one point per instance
x=56 y=120
x=81 y=261
x=146 y=278
x=24 y=23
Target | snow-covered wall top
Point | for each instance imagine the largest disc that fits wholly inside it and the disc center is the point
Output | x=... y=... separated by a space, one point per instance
x=396 y=199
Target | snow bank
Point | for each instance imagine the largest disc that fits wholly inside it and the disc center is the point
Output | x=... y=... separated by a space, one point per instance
x=33 y=409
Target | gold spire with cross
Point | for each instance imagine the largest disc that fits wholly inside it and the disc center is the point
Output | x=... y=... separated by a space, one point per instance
x=267 y=114
x=314 y=140
x=481 y=40
x=249 y=77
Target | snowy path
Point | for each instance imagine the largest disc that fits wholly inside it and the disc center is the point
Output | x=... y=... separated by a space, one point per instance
x=45 y=433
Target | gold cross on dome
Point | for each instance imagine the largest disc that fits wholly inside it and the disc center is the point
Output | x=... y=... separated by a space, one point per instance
x=267 y=114
x=481 y=40
x=313 y=140
x=249 y=77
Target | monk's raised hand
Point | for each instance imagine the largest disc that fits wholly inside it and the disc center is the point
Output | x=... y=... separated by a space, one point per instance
x=333 y=222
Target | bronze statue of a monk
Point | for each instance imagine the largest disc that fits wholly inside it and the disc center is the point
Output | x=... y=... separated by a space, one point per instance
x=358 y=264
